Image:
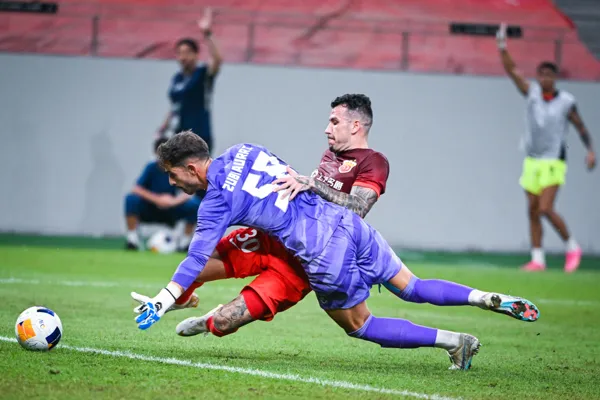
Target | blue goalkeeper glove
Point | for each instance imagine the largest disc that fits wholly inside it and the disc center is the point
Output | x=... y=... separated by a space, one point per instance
x=151 y=310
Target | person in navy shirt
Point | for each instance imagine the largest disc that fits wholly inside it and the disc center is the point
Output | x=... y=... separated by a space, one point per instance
x=154 y=200
x=191 y=88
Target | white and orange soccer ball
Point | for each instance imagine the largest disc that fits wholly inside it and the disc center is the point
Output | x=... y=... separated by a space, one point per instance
x=38 y=329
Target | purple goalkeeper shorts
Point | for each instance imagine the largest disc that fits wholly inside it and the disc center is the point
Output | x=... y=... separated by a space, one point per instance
x=356 y=258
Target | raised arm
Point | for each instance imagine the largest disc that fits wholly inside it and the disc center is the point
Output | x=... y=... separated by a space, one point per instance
x=205 y=25
x=508 y=63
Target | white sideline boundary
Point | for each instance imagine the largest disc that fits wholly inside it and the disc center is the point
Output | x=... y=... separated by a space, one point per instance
x=248 y=371
x=134 y=285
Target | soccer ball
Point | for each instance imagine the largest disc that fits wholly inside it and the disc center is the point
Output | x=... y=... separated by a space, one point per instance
x=38 y=329
x=162 y=241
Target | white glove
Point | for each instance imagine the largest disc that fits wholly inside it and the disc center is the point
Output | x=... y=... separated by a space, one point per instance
x=140 y=298
x=151 y=310
x=501 y=36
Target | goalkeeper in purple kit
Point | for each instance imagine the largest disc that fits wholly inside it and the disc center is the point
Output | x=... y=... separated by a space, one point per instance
x=341 y=254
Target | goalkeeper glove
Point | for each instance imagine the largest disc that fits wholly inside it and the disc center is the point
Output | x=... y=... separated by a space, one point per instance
x=151 y=310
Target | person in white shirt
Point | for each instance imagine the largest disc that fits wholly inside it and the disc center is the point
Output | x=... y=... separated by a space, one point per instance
x=548 y=112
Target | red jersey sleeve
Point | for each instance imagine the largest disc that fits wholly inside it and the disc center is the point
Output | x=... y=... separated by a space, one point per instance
x=373 y=173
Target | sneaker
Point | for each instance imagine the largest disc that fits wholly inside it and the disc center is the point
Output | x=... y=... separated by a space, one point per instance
x=196 y=325
x=515 y=307
x=131 y=246
x=573 y=259
x=191 y=303
x=462 y=356
x=533 y=266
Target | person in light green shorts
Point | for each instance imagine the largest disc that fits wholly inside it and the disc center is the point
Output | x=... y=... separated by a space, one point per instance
x=549 y=112
x=539 y=174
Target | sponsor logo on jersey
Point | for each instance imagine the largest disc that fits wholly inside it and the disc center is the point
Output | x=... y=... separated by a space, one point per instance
x=347 y=166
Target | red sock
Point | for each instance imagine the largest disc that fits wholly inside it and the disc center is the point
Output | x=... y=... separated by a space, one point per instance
x=256 y=305
x=211 y=327
x=185 y=297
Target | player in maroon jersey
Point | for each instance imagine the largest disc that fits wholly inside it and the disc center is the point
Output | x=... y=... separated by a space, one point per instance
x=350 y=174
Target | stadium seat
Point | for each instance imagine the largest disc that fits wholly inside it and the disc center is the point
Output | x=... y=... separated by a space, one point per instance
x=374 y=34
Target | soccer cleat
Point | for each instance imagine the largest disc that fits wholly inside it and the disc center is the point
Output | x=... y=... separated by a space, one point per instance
x=191 y=303
x=515 y=307
x=572 y=260
x=462 y=356
x=196 y=325
x=533 y=266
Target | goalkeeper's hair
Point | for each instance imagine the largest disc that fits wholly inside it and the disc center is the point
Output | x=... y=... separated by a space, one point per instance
x=180 y=148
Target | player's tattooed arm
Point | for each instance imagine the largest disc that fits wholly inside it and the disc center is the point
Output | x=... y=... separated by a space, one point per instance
x=360 y=200
x=232 y=315
x=576 y=120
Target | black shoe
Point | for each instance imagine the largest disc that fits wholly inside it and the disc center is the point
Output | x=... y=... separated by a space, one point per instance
x=131 y=246
x=183 y=249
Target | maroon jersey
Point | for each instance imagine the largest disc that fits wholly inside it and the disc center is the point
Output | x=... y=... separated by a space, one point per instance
x=357 y=167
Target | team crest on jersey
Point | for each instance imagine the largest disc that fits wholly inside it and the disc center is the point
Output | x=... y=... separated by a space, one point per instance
x=347 y=166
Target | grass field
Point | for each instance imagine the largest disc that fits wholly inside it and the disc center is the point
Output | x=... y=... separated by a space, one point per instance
x=301 y=354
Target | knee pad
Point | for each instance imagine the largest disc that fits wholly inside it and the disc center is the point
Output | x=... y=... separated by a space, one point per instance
x=408 y=293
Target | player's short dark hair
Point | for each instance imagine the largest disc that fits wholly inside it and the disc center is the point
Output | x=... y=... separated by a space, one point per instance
x=356 y=102
x=547 y=65
x=181 y=147
x=158 y=142
x=192 y=43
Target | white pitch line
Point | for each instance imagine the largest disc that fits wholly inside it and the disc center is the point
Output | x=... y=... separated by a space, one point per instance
x=569 y=302
x=107 y=284
x=20 y=281
x=133 y=285
x=248 y=371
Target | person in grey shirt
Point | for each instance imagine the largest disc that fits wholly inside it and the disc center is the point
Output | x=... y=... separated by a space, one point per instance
x=548 y=114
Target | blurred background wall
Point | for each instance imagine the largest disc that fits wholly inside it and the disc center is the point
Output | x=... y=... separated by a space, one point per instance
x=75 y=132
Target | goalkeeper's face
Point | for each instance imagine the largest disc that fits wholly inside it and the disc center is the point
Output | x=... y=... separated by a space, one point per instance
x=190 y=177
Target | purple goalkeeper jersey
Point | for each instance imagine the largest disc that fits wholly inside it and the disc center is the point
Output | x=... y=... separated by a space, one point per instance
x=240 y=192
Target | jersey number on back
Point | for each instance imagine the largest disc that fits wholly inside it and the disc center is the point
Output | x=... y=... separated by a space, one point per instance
x=272 y=167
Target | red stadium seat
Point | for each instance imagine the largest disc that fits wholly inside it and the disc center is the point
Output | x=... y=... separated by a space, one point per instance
x=364 y=34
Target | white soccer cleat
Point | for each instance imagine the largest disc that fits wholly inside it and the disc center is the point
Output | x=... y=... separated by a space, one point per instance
x=191 y=303
x=516 y=307
x=462 y=356
x=196 y=325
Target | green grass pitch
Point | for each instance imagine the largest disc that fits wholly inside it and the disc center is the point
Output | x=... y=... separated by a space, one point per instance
x=302 y=353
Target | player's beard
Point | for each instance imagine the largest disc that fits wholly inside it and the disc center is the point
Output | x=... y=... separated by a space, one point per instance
x=331 y=144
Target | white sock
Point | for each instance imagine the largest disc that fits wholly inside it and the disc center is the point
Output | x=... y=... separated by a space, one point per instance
x=447 y=340
x=537 y=255
x=184 y=240
x=476 y=298
x=572 y=244
x=132 y=237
